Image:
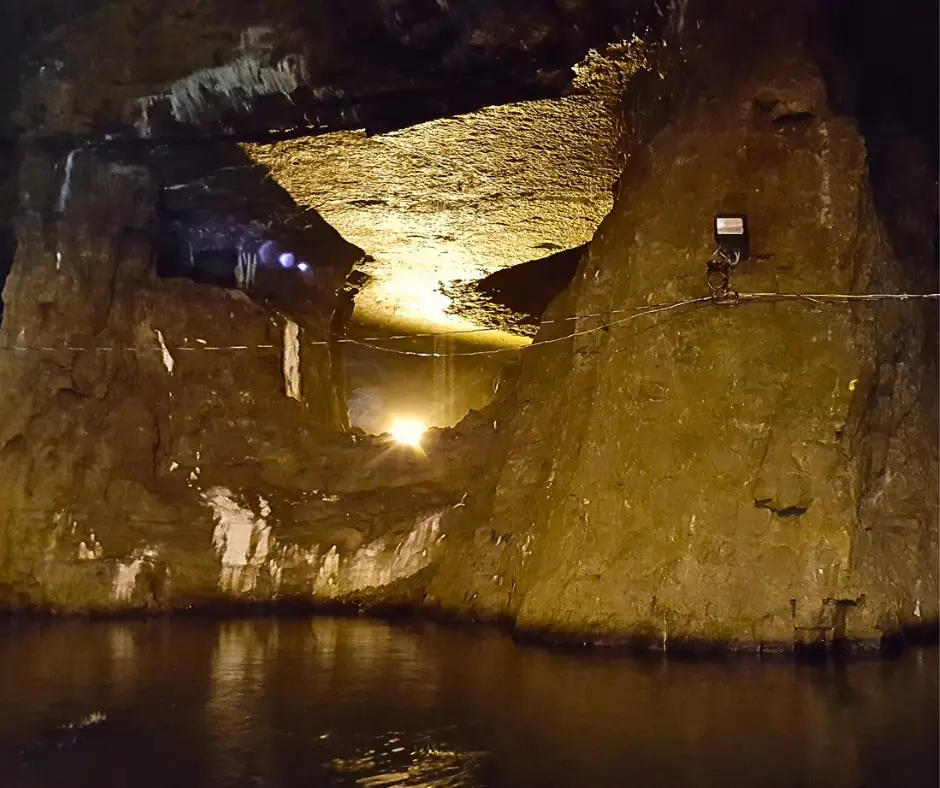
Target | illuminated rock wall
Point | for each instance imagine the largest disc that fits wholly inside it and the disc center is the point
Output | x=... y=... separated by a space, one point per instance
x=124 y=397
x=753 y=475
x=759 y=475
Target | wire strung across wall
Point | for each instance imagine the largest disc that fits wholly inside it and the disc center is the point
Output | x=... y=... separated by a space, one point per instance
x=637 y=312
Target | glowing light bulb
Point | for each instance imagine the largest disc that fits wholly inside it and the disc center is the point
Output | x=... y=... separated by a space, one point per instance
x=408 y=432
x=286 y=259
x=303 y=267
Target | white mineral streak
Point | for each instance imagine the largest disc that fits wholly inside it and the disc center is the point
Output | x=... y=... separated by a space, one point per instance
x=292 y=360
x=86 y=553
x=245 y=270
x=125 y=579
x=245 y=545
x=241 y=539
x=168 y=361
x=380 y=562
x=677 y=15
x=143 y=122
x=66 y=189
x=326 y=581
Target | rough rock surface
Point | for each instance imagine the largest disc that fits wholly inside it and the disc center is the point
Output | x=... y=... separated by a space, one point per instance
x=207 y=67
x=753 y=475
x=760 y=475
x=464 y=197
x=150 y=433
x=421 y=202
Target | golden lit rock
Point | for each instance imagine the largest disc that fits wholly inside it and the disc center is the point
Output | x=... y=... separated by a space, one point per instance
x=462 y=197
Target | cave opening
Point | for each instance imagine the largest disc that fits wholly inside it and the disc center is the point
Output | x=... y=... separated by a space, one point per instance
x=438 y=377
x=436 y=387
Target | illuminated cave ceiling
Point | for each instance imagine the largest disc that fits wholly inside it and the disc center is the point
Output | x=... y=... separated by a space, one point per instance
x=446 y=141
x=460 y=198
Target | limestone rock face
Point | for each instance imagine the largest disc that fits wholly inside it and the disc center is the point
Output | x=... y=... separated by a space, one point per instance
x=165 y=443
x=464 y=197
x=721 y=474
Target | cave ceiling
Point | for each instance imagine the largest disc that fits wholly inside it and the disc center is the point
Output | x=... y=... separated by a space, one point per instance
x=444 y=141
x=460 y=198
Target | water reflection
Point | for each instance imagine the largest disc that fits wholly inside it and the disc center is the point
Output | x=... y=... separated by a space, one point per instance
x=123 y=656
x=357 y=703
x=235 y=700
x=401 y=759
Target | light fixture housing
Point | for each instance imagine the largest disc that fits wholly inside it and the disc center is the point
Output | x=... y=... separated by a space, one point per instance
x=731 y=234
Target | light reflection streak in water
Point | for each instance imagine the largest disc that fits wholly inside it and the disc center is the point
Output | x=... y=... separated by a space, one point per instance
x=237 y=678
x=400 y=760
x=123 y=657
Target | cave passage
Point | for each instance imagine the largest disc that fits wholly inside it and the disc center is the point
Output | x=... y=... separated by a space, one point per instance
x=437 y=388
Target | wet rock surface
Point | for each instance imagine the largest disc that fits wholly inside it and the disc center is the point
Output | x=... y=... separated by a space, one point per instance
x=431 y=195
x=514 y=299
x=205 y=68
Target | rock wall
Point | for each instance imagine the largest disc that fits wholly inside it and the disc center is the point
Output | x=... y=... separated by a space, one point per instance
x=753 y=475
x=206 y=67
x=161 y=442
x=756 y=476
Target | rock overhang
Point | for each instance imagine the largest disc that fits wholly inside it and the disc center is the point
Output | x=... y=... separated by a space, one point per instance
x=474 y=143
x=460 y=198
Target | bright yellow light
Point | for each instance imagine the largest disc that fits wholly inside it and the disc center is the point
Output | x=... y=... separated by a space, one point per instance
x=407 y=432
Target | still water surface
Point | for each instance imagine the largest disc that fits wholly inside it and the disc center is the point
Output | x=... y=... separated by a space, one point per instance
x=347 y=702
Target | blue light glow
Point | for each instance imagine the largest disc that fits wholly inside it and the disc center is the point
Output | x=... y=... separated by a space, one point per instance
x=267 y=252
x=286 y=259
x=303 y=267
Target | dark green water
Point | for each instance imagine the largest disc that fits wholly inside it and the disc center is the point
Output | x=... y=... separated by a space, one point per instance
x=182 y=703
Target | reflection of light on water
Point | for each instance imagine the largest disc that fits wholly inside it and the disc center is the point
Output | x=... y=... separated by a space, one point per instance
x=398 y=760
x=326 y=634
x=377 y=652
x=123 y=655
x=95 y=718
x=238 y=666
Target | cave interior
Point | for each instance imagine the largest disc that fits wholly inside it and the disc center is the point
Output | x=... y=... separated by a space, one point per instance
x=244 y=243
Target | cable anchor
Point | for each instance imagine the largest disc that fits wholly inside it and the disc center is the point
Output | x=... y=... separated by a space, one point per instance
x=718 y=276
